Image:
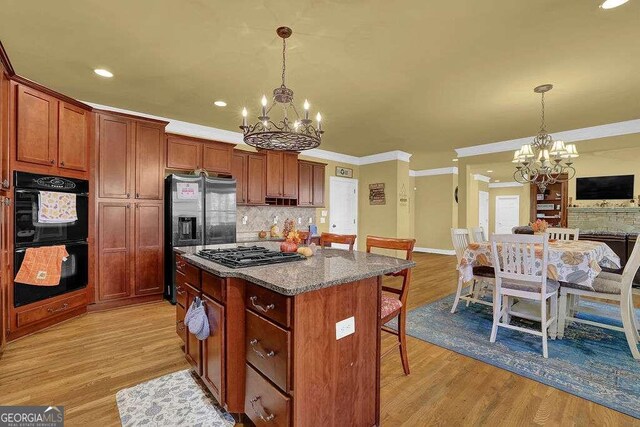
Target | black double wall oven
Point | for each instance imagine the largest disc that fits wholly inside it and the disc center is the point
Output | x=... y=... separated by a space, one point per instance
x=29 y=233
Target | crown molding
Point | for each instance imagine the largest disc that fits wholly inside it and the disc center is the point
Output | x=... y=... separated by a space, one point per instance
x=332 y=156
x=505 y=184
x=432 y=172
x=385 y=157
x=479 y=177
x=583 y=134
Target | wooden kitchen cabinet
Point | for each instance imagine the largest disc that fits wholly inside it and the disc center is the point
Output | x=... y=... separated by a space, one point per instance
x=51 y=133
x=114 y=250
x=248 y=169
x=115 y=142
x=282 y=174
x=4 y=130
x=5 y=277
x=311 y=183
x=130 y=159
x=149 y=253
x=37 y=127
x=188 y=154
x=149 y=165
x=213 y=350
x=193 y=346
x=73 y=147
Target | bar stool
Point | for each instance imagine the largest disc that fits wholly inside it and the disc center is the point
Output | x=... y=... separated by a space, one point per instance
x=326 y=239
x=391 y=306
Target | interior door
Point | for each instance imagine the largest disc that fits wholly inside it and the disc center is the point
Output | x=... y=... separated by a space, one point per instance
x=507 y=213
x=343 y=210
x=149 y=161
x=483 y=210
x=73 y=147
x=148 y=249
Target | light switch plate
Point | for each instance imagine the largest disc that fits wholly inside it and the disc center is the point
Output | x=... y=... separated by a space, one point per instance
x=345 y=327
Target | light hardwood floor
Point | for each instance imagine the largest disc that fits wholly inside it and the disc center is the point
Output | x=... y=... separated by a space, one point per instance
x=82 y=363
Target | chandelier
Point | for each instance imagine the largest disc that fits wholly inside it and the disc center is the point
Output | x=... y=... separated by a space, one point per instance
x=544 y=161
x=288 y=132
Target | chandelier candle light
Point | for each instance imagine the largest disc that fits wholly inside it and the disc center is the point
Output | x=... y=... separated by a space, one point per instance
x=289 y=132
x=544 y=161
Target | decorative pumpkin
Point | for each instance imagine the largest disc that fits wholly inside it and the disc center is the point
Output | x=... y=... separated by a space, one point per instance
x=287 y=246
x=262 y=234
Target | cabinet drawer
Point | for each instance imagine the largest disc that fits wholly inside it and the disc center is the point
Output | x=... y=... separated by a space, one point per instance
x=52 y=309
x=213 y=286
x=181 y=295
x=187 y=273
x=263 y=403
x=268 y=349
x=269 y=304
x=181 y=329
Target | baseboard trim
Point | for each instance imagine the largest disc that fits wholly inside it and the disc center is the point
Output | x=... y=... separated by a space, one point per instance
x=435 y=251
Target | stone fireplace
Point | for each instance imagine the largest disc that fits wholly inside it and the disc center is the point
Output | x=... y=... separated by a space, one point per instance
x=611 y=219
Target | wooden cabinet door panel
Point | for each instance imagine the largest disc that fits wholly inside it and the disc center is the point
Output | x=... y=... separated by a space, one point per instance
x=183 y=154
x=73 y=144
x=239 y=172
x=4 y=131
x=305 y=176
x=114 y=156
x=213 y=350
x=193 y=348
x=114 y=250
x=149 y=161
x=256 y=179
x=274 y=174
x=4 y=267
x=290 y=175
x=37 y=117
x=149 y=268
x=318 y=185
x=216 y=157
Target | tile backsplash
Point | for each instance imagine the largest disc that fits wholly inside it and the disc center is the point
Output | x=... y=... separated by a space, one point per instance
x=261 y=218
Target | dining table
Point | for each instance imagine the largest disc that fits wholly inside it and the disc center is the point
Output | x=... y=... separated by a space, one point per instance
x=571 y=261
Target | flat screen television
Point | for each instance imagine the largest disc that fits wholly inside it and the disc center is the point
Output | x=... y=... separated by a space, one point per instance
x=605 y=188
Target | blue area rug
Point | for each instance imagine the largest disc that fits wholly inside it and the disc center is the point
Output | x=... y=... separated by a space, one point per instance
x=590 y=362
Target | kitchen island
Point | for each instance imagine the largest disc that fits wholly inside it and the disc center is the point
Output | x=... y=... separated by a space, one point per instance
x=296 y=343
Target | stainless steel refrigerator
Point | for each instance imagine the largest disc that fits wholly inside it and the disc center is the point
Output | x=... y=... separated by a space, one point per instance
x=199 y=210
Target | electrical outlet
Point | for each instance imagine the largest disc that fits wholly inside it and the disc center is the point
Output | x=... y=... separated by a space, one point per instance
x=245 y=219
x=324 y=213
x=323 y=220
x=299 y=220
x=345 y=327
x=310 y=220
x=275 y=219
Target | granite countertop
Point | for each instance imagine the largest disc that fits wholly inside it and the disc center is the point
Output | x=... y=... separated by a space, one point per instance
x=609 y=233
x=328 y=267
x=266 y=239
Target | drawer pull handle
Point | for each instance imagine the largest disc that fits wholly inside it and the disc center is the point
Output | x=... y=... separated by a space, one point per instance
x=262 y=413
x=260 y=307
x=259 y=350
x=180 y=324
x=179 y=290
x=55 y=310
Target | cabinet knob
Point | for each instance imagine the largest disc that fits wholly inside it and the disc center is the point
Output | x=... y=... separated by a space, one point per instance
x=61 y=163
x=128 y=206
x=137 y=195
x=6 y=201
x=52 y=161
x=5 y=183
x=128 y=195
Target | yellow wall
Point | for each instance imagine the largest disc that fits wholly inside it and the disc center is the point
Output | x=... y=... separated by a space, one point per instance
x=522 y=192
x=473 y=199
x=435 y=211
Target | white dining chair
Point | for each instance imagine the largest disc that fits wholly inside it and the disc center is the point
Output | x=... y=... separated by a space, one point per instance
x=482 y=275
x=478 y=234
x=563 y=234
x=517 y=276
x=612 y=287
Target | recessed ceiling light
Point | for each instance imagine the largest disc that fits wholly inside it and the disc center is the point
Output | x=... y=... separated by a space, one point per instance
x=454 y=160
x=220 y=104
x=103 y=73
x=489 y=171
x=610 y=4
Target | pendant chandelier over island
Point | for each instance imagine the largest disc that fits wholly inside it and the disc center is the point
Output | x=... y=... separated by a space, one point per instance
x=544 y=161
x=287 y=131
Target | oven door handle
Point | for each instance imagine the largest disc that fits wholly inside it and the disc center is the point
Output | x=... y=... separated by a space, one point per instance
x=22 y=190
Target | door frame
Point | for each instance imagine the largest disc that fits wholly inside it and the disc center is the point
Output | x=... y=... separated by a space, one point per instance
x=495 y=220
x=488 y=212
x=333 y=179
